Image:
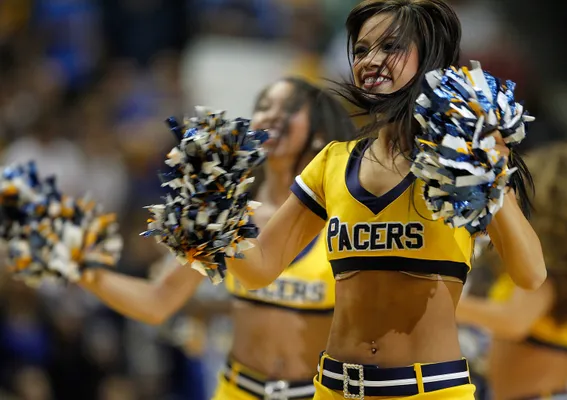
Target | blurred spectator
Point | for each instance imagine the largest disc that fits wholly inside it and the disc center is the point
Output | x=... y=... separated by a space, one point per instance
x=138 y=29
x=118 y=388
x=70 y=32
x=32 y=384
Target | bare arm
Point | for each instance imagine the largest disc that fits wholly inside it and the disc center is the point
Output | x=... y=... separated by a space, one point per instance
x=510 y=320
x=141 y=299
x=515 y=240
x=518 y=245
x=289 y=230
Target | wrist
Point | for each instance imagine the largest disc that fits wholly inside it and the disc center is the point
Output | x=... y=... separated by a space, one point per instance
x=88 y=277
x=508 y=202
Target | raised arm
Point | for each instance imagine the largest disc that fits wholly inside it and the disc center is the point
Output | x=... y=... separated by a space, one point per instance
x=141 y=299
x=509 y=320
x=289 y=230
x=515 y=240
x=518 y=245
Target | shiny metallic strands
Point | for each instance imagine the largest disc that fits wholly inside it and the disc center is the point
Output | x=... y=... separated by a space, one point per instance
x=206 y=216
x=465 y=175
x=50 y=236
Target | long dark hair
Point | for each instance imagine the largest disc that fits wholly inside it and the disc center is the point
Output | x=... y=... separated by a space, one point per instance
x=328 y=119
x=434 y=28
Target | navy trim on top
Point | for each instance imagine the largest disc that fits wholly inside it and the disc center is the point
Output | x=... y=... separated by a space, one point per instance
x=455 y=269
x=374 y=203
x=305 y=251
x=308 y=201
x=542 y=343
x=262 y=303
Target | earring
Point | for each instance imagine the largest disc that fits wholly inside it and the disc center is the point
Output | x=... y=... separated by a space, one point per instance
x=317 y=143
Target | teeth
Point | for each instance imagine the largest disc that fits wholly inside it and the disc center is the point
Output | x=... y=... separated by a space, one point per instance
x=374 y=80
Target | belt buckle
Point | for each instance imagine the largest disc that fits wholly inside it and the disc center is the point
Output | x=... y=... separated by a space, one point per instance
x=275 y=390
x=346 y=380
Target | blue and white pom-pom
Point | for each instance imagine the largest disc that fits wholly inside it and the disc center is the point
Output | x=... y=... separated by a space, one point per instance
x=50 y=236
x=206 y=218
x=465 y=176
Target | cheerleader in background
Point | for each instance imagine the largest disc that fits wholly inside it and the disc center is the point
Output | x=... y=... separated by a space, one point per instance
x=528 y=355
x=279 y=330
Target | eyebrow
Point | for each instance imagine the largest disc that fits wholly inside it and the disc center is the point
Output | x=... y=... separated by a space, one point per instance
x=364 y=41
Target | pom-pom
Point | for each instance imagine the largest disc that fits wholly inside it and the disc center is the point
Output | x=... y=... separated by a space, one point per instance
x=49 y=235
x=465 y=176
x=206 y=217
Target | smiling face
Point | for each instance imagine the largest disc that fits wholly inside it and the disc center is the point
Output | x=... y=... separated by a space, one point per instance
x=380 y=66
x=288 y=126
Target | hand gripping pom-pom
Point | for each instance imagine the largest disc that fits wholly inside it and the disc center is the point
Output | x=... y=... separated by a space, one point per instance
x=50 y=236
x=465 y=176
x=205 y=218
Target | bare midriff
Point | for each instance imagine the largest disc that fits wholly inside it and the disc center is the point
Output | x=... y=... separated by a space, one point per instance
x=520 y=370
x=391 y=319
x=277 y=343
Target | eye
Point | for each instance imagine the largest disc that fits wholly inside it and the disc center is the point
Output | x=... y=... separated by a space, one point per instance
x=391 y=47
x=292 y=105
x=359 y=51
x=262 y=106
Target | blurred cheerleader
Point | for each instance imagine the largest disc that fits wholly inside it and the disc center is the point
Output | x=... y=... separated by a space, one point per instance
x=279 y=330
x=528 y=356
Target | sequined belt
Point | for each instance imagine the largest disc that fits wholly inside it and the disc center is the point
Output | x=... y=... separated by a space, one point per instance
x=267 y=389
x=357 y=381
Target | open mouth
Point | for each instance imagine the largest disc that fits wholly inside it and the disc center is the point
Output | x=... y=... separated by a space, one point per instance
x=273 y=136
x=275 y=133
x=373 y=80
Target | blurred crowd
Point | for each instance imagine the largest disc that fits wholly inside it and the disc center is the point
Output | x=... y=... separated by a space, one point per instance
x=84 y=88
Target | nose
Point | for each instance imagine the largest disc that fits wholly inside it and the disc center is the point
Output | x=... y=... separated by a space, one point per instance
x=268 y=118
x=374 y=58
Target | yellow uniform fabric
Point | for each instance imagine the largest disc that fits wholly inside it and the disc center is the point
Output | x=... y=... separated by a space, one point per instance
x=229 y=391
x=395 y=231
x=463 y=392
x=228 y=387
x=306 y=285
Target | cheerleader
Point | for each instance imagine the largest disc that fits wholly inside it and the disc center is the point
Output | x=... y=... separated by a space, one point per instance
x=279 y=330
x=399 y=273
x=528 y=355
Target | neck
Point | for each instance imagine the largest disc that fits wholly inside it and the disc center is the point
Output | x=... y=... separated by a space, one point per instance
x=384 y=142
x=279 y=178
x=383 y=146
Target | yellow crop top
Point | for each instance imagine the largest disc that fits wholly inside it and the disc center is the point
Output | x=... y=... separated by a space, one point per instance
x=306 y=285
x=545 y=331
x=395 y=231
